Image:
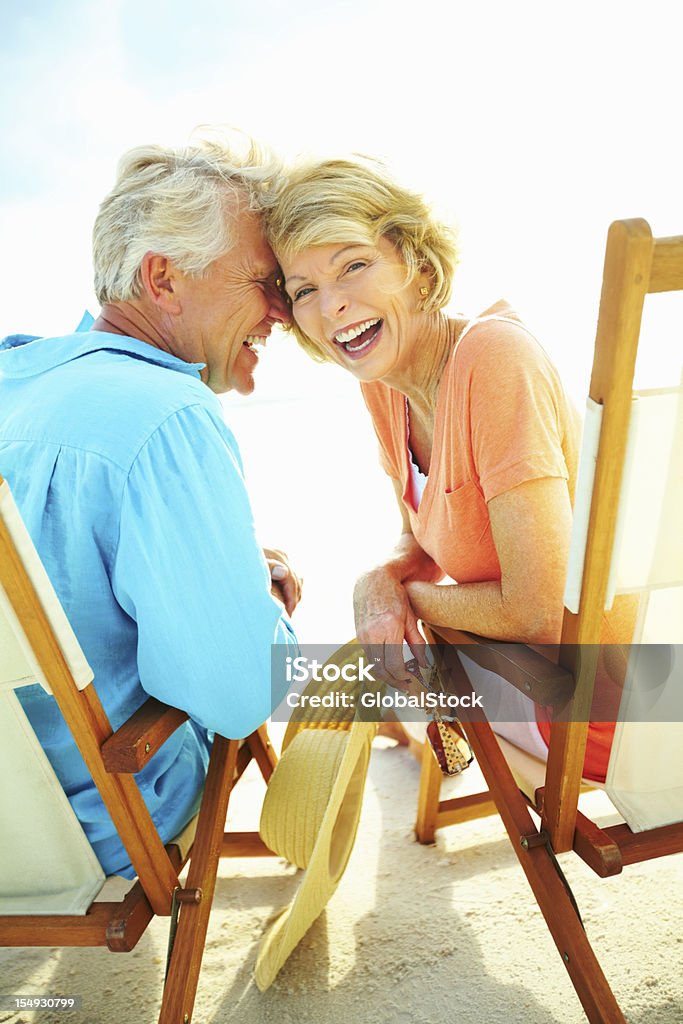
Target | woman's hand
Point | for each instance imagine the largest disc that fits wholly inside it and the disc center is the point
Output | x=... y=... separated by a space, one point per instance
x=384 y=619
x=286 y=585
x=384 y=615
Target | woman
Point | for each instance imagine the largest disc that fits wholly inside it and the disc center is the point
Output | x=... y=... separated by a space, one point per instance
x=474 y=427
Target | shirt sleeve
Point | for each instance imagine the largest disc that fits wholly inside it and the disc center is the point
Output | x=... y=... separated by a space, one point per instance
x=377 y=398
x=513 y=398
x=189 y=571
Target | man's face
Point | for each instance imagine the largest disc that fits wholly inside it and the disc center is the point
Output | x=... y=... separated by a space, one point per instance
x=232 y=308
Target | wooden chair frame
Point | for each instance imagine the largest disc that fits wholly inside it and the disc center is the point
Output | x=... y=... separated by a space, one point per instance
x=112 y=759
x=635 y=264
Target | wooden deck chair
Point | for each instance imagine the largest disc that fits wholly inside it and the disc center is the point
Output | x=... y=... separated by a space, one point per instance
x=627 y=538
x=49 y=876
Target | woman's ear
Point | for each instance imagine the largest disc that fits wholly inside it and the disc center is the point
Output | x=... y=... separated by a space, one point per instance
x=425 y=281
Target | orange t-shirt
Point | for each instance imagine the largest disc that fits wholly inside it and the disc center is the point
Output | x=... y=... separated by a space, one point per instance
x=501 y=418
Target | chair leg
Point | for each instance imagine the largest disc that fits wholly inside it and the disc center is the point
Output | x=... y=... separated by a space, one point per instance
x=428 y=800
x=186 y=958
x=393 y=730
x=551 y=895
x=263 y=752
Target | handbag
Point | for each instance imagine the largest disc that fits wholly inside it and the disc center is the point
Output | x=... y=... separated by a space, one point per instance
x=449 y=745
x=445 y=735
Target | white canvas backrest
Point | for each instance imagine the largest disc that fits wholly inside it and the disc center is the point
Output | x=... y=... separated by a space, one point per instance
x=17 y=660
x=47 y=865
x=15 y=669
x=645 y=773
x=648 y=546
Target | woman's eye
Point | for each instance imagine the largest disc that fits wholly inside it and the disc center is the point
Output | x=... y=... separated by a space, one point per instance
x=301 y=293
x=356 y=265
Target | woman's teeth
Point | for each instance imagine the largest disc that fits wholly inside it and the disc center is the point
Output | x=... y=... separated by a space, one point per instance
x=346 y=338
x=359 y=348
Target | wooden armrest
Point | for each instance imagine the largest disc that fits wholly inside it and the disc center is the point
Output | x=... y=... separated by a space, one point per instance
x=131 y=747
x=532 y=673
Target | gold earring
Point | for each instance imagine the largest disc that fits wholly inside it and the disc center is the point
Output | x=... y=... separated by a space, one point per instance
x=424 y=291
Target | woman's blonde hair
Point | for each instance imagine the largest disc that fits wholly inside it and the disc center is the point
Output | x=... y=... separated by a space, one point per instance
x=357 y=201
x=179 y=202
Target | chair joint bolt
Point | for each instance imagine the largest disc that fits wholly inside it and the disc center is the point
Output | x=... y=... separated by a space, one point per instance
x=534 y=839
x=189 y=895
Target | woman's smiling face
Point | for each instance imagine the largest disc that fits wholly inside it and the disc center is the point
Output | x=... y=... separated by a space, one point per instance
x=356 y=303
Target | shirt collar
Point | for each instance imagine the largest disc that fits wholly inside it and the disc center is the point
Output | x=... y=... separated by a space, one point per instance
x=27 y=356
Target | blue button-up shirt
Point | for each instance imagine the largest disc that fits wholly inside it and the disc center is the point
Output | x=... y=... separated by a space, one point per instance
x=131 y=487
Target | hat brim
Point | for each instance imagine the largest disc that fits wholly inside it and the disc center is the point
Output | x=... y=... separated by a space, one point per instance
x=310 y=817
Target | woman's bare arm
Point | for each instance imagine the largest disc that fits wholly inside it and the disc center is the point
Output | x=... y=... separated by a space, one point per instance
x=531 y=526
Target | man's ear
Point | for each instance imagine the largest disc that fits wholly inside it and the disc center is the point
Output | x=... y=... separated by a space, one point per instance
x=159 y=279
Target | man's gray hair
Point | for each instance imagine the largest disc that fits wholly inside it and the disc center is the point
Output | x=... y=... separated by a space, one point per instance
x=177 y=202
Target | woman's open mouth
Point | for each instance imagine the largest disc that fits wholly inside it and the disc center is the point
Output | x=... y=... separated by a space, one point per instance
x=359 y=340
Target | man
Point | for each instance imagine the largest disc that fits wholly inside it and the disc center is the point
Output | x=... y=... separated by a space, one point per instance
x=130 y=483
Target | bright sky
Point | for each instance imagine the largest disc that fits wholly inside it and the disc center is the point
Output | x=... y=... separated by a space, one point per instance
x=532 y=124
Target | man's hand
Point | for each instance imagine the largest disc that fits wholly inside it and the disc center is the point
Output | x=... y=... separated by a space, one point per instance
x=286 y=585
x=384 y=619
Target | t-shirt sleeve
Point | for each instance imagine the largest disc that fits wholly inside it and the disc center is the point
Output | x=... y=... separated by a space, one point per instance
x=189 y=571
x=513 y=397
x=377 y=399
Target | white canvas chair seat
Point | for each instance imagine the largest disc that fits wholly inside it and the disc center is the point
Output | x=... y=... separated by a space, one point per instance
x=528 y=771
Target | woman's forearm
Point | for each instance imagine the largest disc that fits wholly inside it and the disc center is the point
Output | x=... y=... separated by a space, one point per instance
x=482 y=608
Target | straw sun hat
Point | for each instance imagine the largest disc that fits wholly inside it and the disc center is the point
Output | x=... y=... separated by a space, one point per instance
x=310 y=817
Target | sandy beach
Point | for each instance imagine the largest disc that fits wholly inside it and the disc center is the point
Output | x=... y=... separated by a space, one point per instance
x=413 y=934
